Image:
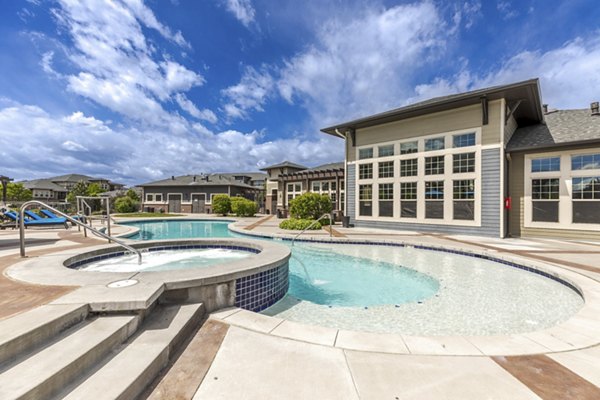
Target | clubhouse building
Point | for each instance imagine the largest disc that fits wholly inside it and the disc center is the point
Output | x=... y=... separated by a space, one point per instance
x=492 y=162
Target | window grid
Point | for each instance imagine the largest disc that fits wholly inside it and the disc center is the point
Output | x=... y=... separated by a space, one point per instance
x=365 y=153
x=408 y=190
x=409 y=147
x=547 y=164
x=464 y=140
x=385 y=151
x=409 y=167
x=586 y=188
x=435 y=144
x=434 y=190
x=434 y=165
x=545 y=189
x=365 y=171
x=386 y=169
x=365 y=192
x=585 y=161
x=464 y=189
x=386 y=191
x=463 y=162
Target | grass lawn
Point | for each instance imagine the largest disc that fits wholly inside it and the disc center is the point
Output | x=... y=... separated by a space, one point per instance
x=146 y=215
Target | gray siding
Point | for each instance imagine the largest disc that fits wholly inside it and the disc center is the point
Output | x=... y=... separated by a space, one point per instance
x=351 y=192
x=490 y=204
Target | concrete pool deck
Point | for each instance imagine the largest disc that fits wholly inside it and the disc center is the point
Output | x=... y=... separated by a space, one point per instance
x=257 y=357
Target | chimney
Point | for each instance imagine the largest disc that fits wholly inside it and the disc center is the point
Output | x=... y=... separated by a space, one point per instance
x=545 y=107
x=172 y=177
x=594 y=108
x=194 y=178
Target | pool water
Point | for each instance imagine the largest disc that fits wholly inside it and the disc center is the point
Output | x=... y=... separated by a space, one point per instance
x=401 y=290
x=166 y=260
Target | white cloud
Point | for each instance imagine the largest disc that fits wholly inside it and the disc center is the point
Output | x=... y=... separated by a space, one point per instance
x=242 y=10
x=250 y=94
x=506 y=9
x=190 y=108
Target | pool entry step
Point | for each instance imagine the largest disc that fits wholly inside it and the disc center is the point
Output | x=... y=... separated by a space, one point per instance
x=63 y=351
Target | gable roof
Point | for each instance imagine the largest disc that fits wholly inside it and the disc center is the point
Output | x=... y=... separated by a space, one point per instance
x=70 y=178
x=284 y=164
x=199 y=180
x=561 y=127
x=526 y=91
x=43 y=184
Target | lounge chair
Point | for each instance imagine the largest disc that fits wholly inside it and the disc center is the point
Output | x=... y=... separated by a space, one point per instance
x=50 y=214
x=33 y=215
x=37 y=222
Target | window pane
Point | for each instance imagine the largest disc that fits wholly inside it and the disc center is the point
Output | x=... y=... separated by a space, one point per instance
x=386 y=208
x=333 y=185
x=385 y=151
x=386 y=169
x=316 y=186
x=464 y=210
x=365 y=192
x=365 y=153
x=588 y=161
x=545 y=189
x=434 y=144
x=408 y=209
x=586 y=212
x=409 y=167
x=158 y=197
x=386 y=191
x=298 y=187
x=434 y=165
x=434 y=209
x=464 y=190
x=408 y=190
x=365 y=171
x=409 y=147
x=325 y=186
x=464 y=162
x=290 y=187
x=468 y=139
x=434 y=190
x=545 y=164
x=545 y=211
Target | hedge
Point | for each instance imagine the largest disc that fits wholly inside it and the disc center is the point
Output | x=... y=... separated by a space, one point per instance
x=299 y=224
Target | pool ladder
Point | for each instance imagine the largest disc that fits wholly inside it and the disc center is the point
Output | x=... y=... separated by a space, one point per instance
x=74 y=221
x=330 y=216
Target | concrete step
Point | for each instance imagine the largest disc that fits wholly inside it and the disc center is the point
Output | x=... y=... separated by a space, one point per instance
x=46 y=372
x=24 y=332
x=130 y=371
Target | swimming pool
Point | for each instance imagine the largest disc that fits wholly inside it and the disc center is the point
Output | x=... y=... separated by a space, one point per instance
x=401 y=290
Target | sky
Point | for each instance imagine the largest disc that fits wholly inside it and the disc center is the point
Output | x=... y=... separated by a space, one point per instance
x=136 y=90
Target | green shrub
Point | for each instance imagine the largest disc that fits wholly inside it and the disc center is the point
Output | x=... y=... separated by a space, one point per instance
x=126 y=205
x=310 y=206
x=221 y=204
x=299 y=224
x=242 y=207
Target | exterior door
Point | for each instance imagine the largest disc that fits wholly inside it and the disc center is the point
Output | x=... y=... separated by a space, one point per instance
x=274 y=201
x=174 y=201
x=198 y=203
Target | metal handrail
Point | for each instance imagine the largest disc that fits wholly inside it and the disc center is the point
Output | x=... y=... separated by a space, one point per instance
x=313 y=223
x=79 y=223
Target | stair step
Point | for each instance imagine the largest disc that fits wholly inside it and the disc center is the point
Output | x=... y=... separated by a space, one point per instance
x=22 y=333
x=128 y=373
x=49 y=370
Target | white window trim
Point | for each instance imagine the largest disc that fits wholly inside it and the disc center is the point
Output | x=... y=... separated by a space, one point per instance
x=448 y=177
x=565 y=175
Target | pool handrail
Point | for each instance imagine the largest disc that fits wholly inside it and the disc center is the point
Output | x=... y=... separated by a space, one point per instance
x=74 y=221
x=330 y=216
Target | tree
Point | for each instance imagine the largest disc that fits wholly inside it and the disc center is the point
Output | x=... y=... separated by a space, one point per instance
x=132 y=194
x=79 y=189
x=126 y=204
x=93 y=190
x=310 y=206
x=221 y=204
x=17 y=192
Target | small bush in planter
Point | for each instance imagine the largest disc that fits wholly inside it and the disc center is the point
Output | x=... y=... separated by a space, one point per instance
x=242 y=207
x=299 y=224
x=221 y=204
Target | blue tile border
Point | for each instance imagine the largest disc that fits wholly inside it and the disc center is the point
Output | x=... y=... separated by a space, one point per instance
x=261 y=290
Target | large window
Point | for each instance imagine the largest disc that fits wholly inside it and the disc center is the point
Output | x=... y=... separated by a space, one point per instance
x=586 y=161
x=365 y=200
x=386 y=199
x=545 y=196
x=409 y=147
x=465 y=140
x=435 y=144
x=586 y=200
x=464 y=199
x=409 y=167
x=463 y=162
x=434 y=200
x=434 y=165
x=547 y=164
x=385 y=151
x=294 y=189
x=365 y=171
x=365 y=153
x=408 y=199
x=386 y=169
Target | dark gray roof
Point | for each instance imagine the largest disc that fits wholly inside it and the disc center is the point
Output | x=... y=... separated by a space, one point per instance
x=43 y=184
x=528 y=92
x=562 y=127
x=252 y=175
x=200 y=180
x=70 y=178
x=325 y=167
x=284 y=164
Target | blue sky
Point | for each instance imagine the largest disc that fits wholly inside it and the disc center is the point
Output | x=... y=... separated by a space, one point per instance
x=136 y=91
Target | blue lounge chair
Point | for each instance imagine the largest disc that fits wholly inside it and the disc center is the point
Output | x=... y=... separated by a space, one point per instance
x=33 y=215
x=37 y=222
x=50 y=214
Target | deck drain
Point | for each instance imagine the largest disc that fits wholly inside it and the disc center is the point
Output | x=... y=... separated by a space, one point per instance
x=123 y=283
